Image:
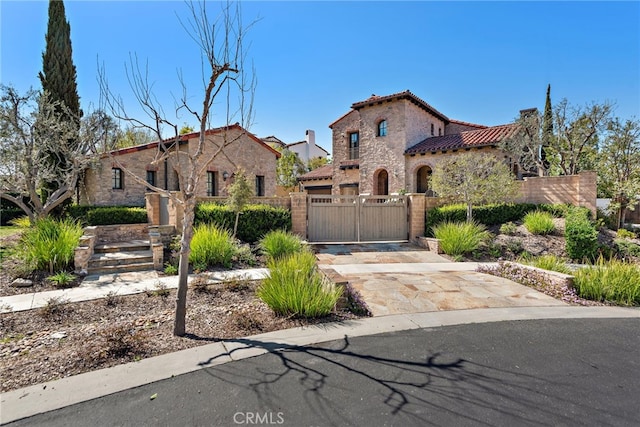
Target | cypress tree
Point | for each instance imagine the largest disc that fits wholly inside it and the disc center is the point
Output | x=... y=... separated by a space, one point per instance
x=547 y=129
x=58 y=77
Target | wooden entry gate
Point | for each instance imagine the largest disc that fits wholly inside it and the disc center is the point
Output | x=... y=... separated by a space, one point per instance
x=334 y=219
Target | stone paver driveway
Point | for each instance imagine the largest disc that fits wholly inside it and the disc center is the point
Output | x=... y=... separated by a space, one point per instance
x=395 y=278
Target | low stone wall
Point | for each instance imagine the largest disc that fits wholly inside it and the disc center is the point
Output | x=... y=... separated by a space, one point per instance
x=430 y=243
x=553 y=276
x=577 y=190
x=118 y=232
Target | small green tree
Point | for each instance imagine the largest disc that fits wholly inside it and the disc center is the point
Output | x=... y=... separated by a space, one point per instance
x=473 y=179
x=289 y=168
x=316 y=162
x=240 y=192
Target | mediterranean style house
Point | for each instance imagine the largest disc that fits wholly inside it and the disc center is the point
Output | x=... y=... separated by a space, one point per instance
x=390 y=144
x=110 y=182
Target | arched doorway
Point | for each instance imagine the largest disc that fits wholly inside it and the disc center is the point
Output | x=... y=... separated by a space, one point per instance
x=382 y=183
x=423 y=179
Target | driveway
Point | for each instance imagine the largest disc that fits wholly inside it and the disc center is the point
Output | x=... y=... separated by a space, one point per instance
x=396 y=278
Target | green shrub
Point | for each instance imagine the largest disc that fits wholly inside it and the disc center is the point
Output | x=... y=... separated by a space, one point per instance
x=255 y=220
x=551 y=263
x=62 y=279
x=508 y=228
x=613 y=281
x=279 y=243
x=489 y=214
x=459 y=238
x=211 y=246
x=295 y=287
x=116 y=215
x=9 y=212
x=170 y=269
x=626 y=248
x=107 y=215
x=539 y=222
x=581 y=236
x=623 y=233
x=50 y=244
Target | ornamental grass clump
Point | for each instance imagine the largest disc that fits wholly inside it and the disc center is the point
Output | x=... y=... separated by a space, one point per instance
x=459 y=238
x=50 y=244
x=609 y=281
x=279 y=243
x=550 y=262
x=296 y=288
x=539 y=222
x=211 y=246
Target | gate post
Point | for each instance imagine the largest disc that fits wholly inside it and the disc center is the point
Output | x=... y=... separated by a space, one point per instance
x=417 y=210
x=152 y=201
x=299 y=214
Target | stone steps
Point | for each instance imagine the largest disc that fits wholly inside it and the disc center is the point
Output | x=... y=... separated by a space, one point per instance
x=121 y=257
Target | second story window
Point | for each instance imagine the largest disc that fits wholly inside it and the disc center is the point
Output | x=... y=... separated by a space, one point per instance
x=354 y=145
x=432 y=129
x=116 y=179
x=382 y=128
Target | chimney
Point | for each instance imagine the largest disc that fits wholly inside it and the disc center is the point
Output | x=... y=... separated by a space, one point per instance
x=528 y=112
x=311 y=138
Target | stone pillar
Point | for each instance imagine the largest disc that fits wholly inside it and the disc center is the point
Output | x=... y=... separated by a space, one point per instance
x=153 y=208
x=176 y=212
x=417 y=209
x=299 y=214
x=84 y=252
x=588 y=191
x=158 y=255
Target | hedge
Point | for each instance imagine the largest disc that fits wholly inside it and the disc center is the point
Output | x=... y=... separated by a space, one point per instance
x=255 y=220
x=107 y=215
x=488 y=215
x=9 y=213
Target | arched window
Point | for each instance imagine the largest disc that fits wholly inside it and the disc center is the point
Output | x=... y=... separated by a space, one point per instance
x=382 y=183
x=382 y=128
x=423 y=178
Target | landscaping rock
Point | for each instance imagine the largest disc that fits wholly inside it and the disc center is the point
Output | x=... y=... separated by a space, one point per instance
x=22 y=283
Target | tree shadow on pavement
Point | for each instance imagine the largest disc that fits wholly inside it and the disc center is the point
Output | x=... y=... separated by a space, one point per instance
x=342 y=386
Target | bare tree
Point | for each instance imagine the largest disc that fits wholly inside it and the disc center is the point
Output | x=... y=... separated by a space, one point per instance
x=31 y=125
x=224 y=80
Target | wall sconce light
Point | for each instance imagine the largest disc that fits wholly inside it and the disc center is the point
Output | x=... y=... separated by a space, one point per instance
x=225 y=175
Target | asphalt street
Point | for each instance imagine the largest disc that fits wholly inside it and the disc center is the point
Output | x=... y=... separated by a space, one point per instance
x=517 y=373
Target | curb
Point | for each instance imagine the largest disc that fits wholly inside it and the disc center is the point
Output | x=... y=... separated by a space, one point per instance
x=40 y=398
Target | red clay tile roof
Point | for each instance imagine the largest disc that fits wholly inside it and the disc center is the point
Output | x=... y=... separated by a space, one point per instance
x=323 y=172
x=460 y=122
x=471 y=138
x=375 y=99
x=184 y=138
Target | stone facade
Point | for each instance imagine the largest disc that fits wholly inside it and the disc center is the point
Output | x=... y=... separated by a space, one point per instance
x=241 y=150
x=382 y=165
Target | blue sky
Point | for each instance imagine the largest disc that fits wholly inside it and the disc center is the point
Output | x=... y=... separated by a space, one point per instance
x=479 y=62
